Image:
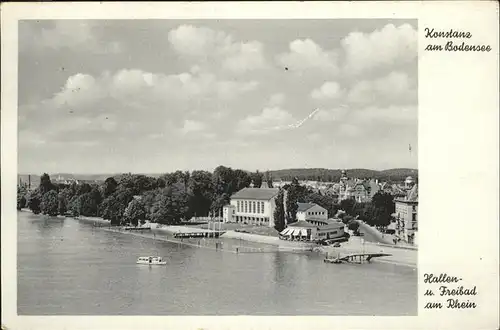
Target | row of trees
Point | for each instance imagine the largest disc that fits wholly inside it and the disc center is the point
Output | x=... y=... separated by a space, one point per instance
x=132 y=198
x=177 y=196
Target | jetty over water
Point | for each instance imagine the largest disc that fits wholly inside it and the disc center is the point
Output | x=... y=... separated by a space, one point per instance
x=356 y=258
x=199 y=234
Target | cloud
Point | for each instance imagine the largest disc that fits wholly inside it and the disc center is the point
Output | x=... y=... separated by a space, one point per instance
x=191 y=126
x=270 y=119
x=334 y=114
x=211 y=46
x=146 y=88
x=65 y=33
x=329 y=90
x=306 y=55
x=276 y=99
x=132 y=103
x=395 y=88
x=384 y=47
x=394 y=114
x=350 y=130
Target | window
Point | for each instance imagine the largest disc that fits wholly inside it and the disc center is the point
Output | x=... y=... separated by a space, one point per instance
x=258 y=207
x=253 y=207
x=262 y=206
x=246 y=206
x=238 y=206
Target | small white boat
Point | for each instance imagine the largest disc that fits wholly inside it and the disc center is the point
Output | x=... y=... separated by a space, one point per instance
x=151 y=261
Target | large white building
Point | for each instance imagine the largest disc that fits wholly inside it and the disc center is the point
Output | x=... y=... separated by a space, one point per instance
x=252 y=206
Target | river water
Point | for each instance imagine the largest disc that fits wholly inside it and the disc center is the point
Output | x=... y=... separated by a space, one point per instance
x=67 y=267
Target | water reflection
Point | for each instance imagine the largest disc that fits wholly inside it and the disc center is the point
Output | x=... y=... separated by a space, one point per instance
x=93 y=272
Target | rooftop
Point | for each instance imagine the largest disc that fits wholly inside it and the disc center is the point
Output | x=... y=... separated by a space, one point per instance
x=256 y=193
x=304 y=206
x=303 y=224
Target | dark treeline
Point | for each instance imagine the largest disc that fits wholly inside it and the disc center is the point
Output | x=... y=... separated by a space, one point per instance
x=175 y=197
x=133 y=198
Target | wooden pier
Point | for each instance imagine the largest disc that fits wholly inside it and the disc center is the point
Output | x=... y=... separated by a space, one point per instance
x=199 y=234
x=356 y=258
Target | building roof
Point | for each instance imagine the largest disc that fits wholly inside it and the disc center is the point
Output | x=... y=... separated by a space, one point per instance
x=305 y=206
x=256 y=193
x=411 y=197
x=303 y=224
x=413 y=194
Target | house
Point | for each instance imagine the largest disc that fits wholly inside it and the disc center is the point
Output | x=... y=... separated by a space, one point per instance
x=361 y=191
x=252 y=206
x=313 y=230
x=407 y=216
x=374 y=188
x=311 y=211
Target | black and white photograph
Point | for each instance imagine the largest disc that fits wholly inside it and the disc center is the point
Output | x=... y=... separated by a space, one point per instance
x=217 y=167
x=250 y=165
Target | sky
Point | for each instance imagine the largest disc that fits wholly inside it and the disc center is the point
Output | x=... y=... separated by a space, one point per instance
x=154 y=96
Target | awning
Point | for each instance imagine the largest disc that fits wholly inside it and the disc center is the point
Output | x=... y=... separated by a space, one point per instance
x=287 y=232
x=304 y=232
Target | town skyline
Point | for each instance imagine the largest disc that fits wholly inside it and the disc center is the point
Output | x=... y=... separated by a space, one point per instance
x=153 y=96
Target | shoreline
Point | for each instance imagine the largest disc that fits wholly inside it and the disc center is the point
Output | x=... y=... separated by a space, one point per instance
x=400 y=255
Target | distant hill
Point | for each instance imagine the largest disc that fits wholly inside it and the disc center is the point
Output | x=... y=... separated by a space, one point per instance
x=321 y=174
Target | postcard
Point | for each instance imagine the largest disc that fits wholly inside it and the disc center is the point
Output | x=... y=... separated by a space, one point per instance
x=250 y=165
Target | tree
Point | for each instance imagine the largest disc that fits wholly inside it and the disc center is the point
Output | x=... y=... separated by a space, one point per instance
x=185 y=180
x=347 y=218
x=353 y=225
x=269 y=179
x=21 y=197
x=279 y=212
x=219 y=202
x=347 y=205
x=62 y=199
x=50 y=203
x=383 y=201
x=34 y=200
x=135 y=212
x=257 y=179
x=74 y=206
x=45 y=184
x=170 y=207
x=83 y=188
x=201 y=193
x=292 y=197
x=110 y=186
x=88 y=205
x=114 y=206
